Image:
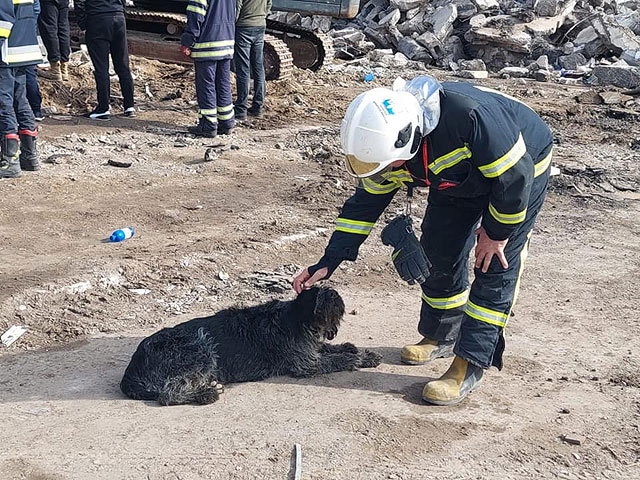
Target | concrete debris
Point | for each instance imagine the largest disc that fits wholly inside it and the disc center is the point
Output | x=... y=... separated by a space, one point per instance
x=614 y=98
x=546 y=40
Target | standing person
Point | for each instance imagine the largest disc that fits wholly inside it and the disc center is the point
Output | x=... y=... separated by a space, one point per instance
x=106 y=32
x=18 y=49
x=251 y=22
x=485 y=157
x=208 y=40
x=54 y=30
x=33 y=90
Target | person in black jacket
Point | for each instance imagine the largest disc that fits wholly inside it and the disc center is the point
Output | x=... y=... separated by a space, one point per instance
x=106 y=32
x=485 y=158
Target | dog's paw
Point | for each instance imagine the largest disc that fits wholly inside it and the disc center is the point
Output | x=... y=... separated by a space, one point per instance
x=348 y=348
x=369 y=359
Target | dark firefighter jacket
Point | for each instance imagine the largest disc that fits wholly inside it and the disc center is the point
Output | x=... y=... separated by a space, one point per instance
x=18 y=40
x=487 y=146
x=211 y=29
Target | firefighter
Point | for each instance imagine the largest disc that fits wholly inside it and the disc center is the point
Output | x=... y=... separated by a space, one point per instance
x=18 y=50
x=208 y=39
x=485 y=157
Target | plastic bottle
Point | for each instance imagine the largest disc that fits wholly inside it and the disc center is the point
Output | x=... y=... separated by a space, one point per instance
x=369 y=77
x=121 y=235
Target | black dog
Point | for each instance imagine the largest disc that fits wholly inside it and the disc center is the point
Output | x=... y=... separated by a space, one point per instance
x=190 y=362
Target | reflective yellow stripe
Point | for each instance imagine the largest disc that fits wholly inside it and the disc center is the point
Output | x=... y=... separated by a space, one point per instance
x=221 y=43
x=23 y=2
x=209 y=111
x=505 y=162
x=450 y=159
x=23 y=57
x=542 y=166
x=398 y=176
x=201 y=2
x=198 y=10
x=486 y=315
x=225 y=109
x=225 y=116
x=377 y=188
x=354 y=226
x=217 y=53
x=445 y=303
x=4 y=33
x=507 y=218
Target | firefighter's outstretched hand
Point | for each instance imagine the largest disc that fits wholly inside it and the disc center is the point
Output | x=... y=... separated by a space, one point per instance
x=487 y=248
x=304 y=280
x=186 y=51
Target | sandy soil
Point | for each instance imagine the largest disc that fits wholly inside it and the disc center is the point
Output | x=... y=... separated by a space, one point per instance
x=208 y=233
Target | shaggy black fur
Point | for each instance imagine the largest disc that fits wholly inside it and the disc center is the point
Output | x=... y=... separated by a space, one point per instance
x=190 y=362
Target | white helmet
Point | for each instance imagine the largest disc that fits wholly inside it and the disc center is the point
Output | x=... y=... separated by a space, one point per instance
x=381 y=126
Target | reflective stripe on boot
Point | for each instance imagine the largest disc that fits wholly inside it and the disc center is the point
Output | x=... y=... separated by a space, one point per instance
x=452 y=387
x=28 y=150
x=9 y=164
x=425 y=351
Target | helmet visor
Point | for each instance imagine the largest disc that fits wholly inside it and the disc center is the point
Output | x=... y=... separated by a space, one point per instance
x=361 y=169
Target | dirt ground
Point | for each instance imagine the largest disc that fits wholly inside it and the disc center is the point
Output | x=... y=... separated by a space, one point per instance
x=232 y=227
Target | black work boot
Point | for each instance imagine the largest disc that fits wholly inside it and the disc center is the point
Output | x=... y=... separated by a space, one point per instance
x=200 y=131
x=9 y=163
x=28 y=152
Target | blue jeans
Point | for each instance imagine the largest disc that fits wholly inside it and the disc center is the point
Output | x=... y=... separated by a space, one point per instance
x=33 y=91
x=248 y=60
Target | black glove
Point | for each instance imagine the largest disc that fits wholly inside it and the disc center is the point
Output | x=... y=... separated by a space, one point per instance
x=408 y=256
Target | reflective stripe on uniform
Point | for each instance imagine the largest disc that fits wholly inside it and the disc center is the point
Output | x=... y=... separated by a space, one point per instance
x=201 y=2
x=445 y=303
x=198 y=10
x=221 y=43
x=505 y=162
x=542 y=166
x=353 y=226
x=215 y=53
x=507 y=218
x=486 y=315
x=208 y=111
x=450 y=159
x=225 y=116
x=226 y=108
x=378 y=188
x=5 y=29
x=23 y=54
x=23 y=2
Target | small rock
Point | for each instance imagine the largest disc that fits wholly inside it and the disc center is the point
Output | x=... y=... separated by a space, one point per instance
x=210 y=155
x=279 y=146
x=353 y=312
x=223 y=276
x=565 y=411
x=542 y=75
x=474 y=74
x=573 y=439
x=140 y=291
x=119 y=163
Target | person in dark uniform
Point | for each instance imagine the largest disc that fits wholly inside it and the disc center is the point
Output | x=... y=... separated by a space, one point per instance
x=18 y=50
x=485 y=157
x=106 y=33
x=209 y=39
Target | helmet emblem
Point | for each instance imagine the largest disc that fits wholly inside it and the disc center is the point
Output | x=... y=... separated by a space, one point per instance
x=388 y=106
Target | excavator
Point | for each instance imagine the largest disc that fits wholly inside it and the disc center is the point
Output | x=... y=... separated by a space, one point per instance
x=154 y=28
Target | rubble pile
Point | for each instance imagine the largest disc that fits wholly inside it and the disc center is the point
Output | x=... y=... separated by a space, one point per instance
x=597 y=41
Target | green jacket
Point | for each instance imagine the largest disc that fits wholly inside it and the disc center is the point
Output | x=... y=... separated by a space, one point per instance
x=252 y=13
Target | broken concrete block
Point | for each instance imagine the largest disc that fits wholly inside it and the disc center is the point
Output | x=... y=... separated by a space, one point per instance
x=572 y=61
x=486 y=4
x=412 y=13
x=432 y=44
x=442 y=19
x=416 y=25
x=547 y=8
x=473 y=74
x=515 y=72
x=413 y=50
x=371 y=10
x=632 y=57
x=515 y=41
x=542 y=75
x=453 y=50
x=618 y=75
x=321 y=23
x=404 y=5
x=293 y=18
x=378 y=35
x=391 y=19
x=400 y=60
x=379 y=53
x=614 y=98
x=543 y=62
x=307 y=22
x=475 y=64
x=573 y=439
x=395 y=36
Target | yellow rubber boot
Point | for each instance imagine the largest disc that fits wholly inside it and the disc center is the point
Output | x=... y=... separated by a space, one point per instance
x=425 y=351
x=451 y=388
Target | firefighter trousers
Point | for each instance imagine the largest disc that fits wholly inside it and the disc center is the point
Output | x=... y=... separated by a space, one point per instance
x=213 y=89
x=451 y=312
x=15 y=112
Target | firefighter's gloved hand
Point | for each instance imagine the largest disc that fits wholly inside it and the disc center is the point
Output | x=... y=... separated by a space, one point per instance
x=408 y=256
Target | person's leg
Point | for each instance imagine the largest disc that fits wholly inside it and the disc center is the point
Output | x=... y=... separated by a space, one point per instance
x=27 y=129
x=241 y=58
x=98 y=44
x=120 y=58
x=206 y=95
x=257 y=71
x=48 y=26
x=9 y=141
x=64 y=35
x=33 y=92
x=447 y=239
x=224 y=98
x=481 y=342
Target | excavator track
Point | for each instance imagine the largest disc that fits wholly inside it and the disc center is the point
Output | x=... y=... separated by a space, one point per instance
x=310 y=50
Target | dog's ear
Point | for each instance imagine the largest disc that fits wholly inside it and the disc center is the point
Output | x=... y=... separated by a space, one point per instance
x=307 y=299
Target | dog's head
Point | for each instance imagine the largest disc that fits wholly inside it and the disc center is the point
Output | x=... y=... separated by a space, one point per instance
x=322 y=309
